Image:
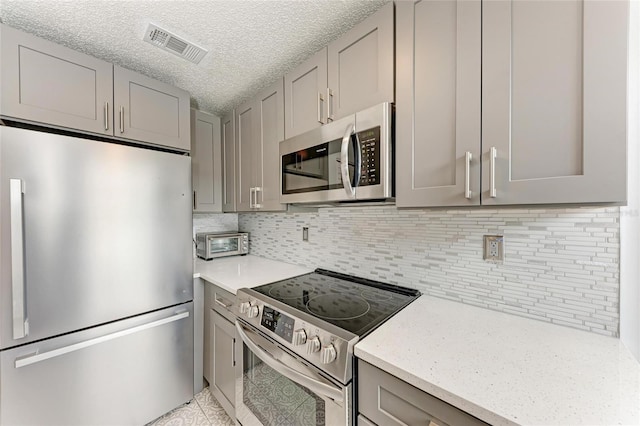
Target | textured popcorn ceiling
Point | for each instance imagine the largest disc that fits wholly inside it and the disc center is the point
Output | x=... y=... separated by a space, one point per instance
x=251 y=43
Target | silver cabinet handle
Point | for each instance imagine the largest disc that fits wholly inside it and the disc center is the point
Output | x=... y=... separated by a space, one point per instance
x=251 y=192
x=344 y=162
x=304 y=380
x=493 y=153
x=121 y=119
x=20 y=324
x=32 y=359
x=106 y=116
x=195 y=203
x=329 y=105
x=320 y=105
x=222 y=303
x=467 y=175
x=257 y=205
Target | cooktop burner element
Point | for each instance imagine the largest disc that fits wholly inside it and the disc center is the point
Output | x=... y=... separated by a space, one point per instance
x=354 y=304
x=335 y=307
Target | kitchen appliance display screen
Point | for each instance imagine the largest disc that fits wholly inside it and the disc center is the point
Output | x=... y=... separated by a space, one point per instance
x=278 y=323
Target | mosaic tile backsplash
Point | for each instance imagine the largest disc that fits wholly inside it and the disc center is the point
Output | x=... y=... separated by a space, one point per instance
x=214 y=222
x=561 y=264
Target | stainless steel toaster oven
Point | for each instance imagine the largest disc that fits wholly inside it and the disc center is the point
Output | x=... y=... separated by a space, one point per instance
x=210 y=245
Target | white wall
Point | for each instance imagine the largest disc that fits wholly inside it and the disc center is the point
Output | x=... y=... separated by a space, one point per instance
x=561 y=264
x=630 y=215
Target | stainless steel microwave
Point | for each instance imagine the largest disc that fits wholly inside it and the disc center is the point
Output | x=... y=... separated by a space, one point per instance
x=350 y=159
x=210 y=245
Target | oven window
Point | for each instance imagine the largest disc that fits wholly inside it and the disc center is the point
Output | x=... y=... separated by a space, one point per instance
x=223 y=245
x=315 y=169
x=276 y=400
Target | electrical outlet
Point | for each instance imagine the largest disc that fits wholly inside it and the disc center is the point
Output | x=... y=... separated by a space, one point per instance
x=493 y=248
x=305 y=234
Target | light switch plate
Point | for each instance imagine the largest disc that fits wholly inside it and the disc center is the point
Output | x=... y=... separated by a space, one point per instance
x=493 y=248
x=305 y=233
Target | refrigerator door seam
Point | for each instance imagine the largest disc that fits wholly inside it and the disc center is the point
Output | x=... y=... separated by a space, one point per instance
x=32 y=359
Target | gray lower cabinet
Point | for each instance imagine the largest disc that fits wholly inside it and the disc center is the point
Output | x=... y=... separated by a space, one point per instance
x=383 y=399
x=551 y=124
x=352 y=73
x=229 y=164
x=151 y=111
x=259 y=130
x=219 y=346
x=43 y=82
x=206 y=162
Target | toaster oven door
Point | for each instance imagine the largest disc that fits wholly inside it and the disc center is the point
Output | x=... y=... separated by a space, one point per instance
x=223 y=246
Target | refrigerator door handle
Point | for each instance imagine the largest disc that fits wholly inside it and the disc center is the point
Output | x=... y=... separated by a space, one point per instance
x=38 y=357
x=20 y=323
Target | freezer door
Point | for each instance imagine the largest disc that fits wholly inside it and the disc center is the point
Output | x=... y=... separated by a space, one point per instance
x=124 y=373
x=91 y=232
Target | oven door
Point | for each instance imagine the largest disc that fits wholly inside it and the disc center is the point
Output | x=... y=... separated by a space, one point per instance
x=273 y=387
x=220 y=246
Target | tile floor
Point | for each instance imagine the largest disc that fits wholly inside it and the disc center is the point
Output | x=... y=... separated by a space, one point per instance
x=203 y=410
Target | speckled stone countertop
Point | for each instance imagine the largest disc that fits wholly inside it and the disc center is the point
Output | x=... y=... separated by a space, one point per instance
x=505 y=369
x=235 y=272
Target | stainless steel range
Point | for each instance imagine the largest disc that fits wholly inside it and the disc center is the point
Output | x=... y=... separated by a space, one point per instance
x=296 y=360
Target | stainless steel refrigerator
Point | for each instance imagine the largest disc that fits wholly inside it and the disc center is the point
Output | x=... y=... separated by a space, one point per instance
x=96 y=287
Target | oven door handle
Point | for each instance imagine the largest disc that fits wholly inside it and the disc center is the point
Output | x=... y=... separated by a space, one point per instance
x=344 y=162
x=312 y=384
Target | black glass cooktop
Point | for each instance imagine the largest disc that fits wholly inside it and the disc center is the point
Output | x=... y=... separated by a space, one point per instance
x=355 y=304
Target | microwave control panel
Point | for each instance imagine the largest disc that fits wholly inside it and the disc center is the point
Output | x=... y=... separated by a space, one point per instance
x=370 y=155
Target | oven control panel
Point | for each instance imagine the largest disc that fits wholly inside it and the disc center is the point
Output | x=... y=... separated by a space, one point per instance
x=277 y=323
x=327 y=351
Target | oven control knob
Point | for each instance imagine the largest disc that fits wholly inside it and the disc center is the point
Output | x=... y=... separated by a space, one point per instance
x=313 y=345
x=253 y=311
x=244 y=307
x=299 y=337
x=329 y=354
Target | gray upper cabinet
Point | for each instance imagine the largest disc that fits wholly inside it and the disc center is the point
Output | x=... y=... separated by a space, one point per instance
x=150 y=111
x=245 y=145
x=351 y=74
x=46 y=83
x=554 y=101
x=305 y=89
x=550 y=126
x=229 y=153
x=270 y=131
x=360 y=66
x=438 y=103
x=206 y=162
x=259 y=130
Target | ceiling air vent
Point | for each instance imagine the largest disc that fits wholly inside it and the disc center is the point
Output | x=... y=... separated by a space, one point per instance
x=170 y=42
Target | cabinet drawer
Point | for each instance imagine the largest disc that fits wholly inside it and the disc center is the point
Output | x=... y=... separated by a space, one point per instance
x=222 y=302
x=387 y=400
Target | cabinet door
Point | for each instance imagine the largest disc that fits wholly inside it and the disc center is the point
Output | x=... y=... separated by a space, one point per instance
x=223 y=380
x=207 y=357
x=438 y=108
x=206 y=162
x=360 y=66
x=305 y=89
x=150 y=111
x=270 y=115
x=229 y=150
x=554 y=101
x=46 y=83
x=245 y=144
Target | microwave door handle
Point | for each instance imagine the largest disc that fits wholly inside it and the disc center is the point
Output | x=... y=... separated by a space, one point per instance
x=344 y=162
x=357 y=161
x=310 y=383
